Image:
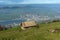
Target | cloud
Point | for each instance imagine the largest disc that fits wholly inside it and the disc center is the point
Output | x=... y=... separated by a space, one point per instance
x=11 y=1
x=1 y=1
x=28 y=1
x=40 y=1
x=7 y=2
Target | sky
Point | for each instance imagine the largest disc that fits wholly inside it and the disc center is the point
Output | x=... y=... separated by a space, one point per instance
x=29 y=1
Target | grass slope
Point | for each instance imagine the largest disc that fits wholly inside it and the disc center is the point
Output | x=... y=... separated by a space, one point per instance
x=40 y=33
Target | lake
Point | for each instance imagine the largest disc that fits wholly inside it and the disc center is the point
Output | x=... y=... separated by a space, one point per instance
x=25 y=12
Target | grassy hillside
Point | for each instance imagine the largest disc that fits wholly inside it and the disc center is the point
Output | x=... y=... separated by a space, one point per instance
x=40 y=33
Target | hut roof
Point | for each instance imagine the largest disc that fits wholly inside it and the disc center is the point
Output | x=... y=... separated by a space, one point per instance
x=28 y=23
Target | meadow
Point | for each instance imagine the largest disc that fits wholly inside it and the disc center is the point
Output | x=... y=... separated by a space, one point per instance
x=34 y=33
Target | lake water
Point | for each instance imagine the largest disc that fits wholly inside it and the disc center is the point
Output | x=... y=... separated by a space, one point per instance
x=36 y=12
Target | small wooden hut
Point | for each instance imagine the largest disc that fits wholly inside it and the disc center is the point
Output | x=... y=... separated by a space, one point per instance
x=28 y=24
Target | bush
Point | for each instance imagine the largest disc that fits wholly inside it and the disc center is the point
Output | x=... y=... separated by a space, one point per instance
x=56 y=20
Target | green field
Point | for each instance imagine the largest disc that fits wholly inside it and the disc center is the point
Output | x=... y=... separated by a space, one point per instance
x=40 y=33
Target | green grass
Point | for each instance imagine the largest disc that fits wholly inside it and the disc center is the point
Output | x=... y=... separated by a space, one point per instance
x=40 y=33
